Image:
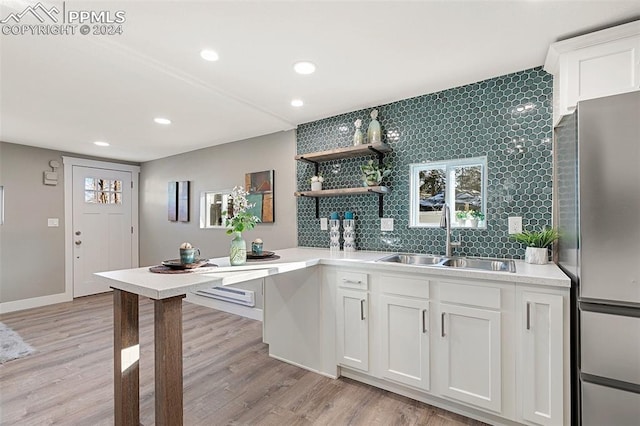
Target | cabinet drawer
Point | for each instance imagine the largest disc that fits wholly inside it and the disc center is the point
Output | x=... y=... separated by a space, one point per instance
x=357 y=280
x=608 y=406
x=403 y=285
x=610 y=346
x=471 y=294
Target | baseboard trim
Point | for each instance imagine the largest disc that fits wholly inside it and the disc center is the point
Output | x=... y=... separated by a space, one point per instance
x=34 y=302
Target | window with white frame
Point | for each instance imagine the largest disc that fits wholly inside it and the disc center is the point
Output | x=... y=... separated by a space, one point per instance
x=461 y=184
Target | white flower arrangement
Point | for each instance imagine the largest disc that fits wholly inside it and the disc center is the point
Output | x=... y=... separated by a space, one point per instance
x=318 y=178
x=241 y=220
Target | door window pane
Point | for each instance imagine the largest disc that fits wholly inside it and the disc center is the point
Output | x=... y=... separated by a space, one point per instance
x=102 y=191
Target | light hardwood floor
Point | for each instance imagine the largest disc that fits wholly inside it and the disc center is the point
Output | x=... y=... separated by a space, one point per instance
x=229 y=378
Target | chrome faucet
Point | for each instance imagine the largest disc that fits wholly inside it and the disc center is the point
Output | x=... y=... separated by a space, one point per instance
x=445 y=223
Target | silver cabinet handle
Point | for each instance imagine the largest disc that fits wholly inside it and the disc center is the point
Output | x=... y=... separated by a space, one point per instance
x=344 y=280
x=424 y=321
x=442 y=324
x=362 y=309
x=78 y=233
x=78 y=242
x=528 y=315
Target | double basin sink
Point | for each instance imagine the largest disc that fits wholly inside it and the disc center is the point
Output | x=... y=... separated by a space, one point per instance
x=485 y=264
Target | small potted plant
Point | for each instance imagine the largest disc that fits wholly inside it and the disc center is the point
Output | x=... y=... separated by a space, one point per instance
x=475 y=216
x=461 y=217
x=316 y=183
x=374 y=173
x=538 y=243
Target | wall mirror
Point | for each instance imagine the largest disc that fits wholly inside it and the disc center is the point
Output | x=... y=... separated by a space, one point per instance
x=213 y=206
x=461 y=183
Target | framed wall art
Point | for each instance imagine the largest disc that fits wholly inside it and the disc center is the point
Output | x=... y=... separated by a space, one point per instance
x=259 y=185
x=172 y=201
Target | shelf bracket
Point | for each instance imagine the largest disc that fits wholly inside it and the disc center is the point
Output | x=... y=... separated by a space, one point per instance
x=378 y=154
x=317 y=205
x=315 y=164
x=380 y=203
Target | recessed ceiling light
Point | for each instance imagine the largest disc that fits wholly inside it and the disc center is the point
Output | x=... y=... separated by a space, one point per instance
x=162 y=120
x=297 y=102
x=304 y=67
x=100 y=143
x=209 y=55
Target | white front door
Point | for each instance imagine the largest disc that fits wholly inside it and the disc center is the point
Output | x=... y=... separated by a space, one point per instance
x=102 y=226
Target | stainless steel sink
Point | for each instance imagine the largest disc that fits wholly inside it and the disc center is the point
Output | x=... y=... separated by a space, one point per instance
x=486 y=264
x=506 y=265
x=414 y=259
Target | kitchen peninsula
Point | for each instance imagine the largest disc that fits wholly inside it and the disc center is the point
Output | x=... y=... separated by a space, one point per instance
x=328 y=312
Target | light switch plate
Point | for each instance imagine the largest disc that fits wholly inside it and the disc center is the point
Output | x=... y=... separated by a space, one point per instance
x=53 y=222
x=323 y=224
x=515 y=225
x=386 y=224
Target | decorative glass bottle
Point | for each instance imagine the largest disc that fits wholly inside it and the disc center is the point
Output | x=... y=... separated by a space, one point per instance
x=358 y=137
x=238 y=251
x=334 y=235
x=349 y=232
x=374 y=133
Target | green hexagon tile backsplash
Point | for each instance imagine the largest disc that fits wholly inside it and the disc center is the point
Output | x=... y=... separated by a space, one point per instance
x=474 y=120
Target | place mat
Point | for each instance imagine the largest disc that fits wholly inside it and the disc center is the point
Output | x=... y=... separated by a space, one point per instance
x=160 y=269
x=264 y=254
x=264 y=259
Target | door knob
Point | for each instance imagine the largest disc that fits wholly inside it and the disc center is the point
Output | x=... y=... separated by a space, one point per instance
x=78 y=242
x=78 y=233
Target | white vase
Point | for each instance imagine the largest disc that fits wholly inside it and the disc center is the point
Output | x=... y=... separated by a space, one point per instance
x=536 y=255
x=316 y=186
x=472 y=223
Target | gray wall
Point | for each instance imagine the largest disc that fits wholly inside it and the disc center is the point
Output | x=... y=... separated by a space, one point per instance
x=216 y=168
x=31 y=254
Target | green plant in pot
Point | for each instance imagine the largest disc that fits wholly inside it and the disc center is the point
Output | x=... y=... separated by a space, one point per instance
x=538 y=243
x=461 y=216
x=373 y=173
x=477 y=215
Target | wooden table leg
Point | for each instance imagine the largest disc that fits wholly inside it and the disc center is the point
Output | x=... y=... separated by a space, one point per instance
x=126 y=356
x=168 y=360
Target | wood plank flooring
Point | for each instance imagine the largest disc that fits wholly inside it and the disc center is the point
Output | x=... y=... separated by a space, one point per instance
x=229 y=378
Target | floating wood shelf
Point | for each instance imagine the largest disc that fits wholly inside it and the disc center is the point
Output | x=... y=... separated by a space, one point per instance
x=348 y=152
x=344 y=191
x=377 y=149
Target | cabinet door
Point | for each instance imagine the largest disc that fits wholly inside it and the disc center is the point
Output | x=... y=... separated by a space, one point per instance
x=469 y=346
x=541 y=373
x=405 y=340
x=353 y=328
x=601 y=70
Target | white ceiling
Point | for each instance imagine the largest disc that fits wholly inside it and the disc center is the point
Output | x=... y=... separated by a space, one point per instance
x=64 y=92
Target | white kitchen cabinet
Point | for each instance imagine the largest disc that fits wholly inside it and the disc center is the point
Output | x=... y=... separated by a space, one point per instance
x=470 y=350
x=540 y=372
x=405 y=340
x=352 y=322
x=594 y=65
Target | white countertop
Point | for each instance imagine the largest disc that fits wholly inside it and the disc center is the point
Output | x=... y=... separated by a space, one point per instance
x=161 y=286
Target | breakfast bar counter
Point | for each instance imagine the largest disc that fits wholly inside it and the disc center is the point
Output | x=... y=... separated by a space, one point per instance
x=168 y=290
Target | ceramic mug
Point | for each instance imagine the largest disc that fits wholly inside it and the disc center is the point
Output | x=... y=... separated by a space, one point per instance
x=256 y=248
x=188 y=255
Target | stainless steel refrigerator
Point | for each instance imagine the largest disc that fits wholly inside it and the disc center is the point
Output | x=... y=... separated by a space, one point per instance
x=597 y=211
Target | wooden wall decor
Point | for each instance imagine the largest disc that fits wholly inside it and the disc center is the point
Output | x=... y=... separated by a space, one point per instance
x=260 y=187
